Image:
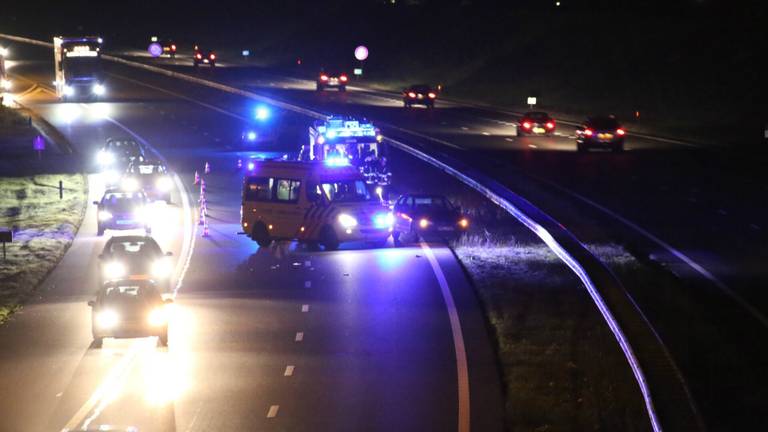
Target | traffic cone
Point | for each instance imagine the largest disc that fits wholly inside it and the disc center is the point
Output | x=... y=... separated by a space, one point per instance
x=205 y=226
x=197 y=178
x=207 y=168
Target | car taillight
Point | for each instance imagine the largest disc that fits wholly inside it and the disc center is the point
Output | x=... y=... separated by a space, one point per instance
x=588 y=132
x=323 y=77
x=620 y=131
x=411 y=94
x=343 y=77
x=199 y=56
x=212 y=56
x=431 y=95
x=173 y=47
x=527 y=125
x=550 y=125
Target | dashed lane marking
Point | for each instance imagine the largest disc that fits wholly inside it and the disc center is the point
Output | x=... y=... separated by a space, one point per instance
x=299 y=337
x=305 y=308
x=289 y=370
x=272 y=413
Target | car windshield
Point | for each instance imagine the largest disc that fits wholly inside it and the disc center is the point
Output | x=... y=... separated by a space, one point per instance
x=124 y=200
x=345 y=191
x=431 y=204
x=133 y=247
x=130 y=294
x=147 y=169
x=603 y=123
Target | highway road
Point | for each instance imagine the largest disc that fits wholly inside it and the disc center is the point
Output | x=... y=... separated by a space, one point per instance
x=278 y=338
x=684 y=208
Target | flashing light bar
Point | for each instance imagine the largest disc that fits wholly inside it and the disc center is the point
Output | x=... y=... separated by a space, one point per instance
x=82 y=54
x=337 y=161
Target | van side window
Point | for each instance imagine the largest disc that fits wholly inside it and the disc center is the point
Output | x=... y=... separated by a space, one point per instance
x=287 y=190
x=314 y=193
x=258 y=189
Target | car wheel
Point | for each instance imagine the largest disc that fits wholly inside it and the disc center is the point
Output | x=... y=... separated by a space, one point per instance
x=97 y=343
x=100 y=231
x=163 y=338
x=329 y=239
x=343 y=88
x=618 y=148
x=260 y=235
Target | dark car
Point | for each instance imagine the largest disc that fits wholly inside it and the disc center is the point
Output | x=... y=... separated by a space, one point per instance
x=332 y=79
x=169 y=47
x=136 y=258
x=150 y=176
x=421 y=94
x=115 y=156
x=427 y=215
x=127 y=309
x=201 y=56
x=600 y=132
x=536 y=123
x=122 y=210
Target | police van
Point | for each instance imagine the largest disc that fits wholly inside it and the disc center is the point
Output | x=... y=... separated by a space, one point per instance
x=312 y=202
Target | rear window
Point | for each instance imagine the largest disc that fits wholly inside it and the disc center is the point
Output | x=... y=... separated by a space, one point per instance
x=603 y=123
x=134 y=247
x=536 y=115
x=421 y=89
x=272 y=189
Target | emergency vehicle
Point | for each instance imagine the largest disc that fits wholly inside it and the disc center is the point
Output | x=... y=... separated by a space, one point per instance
x=342 y=140
x=312 y=202
x=77 y=64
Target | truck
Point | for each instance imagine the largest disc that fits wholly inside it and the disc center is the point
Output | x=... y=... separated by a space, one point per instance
x=77 y=62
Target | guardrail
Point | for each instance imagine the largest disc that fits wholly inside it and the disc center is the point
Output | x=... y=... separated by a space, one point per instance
x=617 y=308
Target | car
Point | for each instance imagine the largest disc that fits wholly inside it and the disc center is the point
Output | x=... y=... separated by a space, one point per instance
x=151 y=176
x=536 y=123
x=201 y=56
x=128 y=309
x=169 y=47
x=119 y=209
x=135 y=258
x=600 y=132
x=115 y=156
x=332 y=79
x=427 y=216
x=420 y=94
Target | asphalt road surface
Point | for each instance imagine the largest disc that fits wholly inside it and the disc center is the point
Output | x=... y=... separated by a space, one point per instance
x=278 y=338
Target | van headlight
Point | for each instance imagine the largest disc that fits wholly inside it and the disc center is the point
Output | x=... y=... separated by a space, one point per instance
x=107 y=319
x=164 y=184
x=347 y=221
x=105 y=216
x=114 y=270
x=161 y=269
x=130 y=184
x=69 y=90
x=383 y=220
x=105 y=158
x=158 y=317
x=99 y=89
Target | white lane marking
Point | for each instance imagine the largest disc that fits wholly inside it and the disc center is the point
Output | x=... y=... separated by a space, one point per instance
x=462 y=371
x=464 y=128
x=308 y=284
x=533 y=146
x=305 y=308
x=272 y=413
x=754 y=226
x=299 y=337
x=307 y=263
x=509 y=139
x=289 y=370
x=486 y=133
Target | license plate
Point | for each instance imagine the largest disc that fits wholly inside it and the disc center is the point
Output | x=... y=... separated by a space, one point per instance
x=334 y=80
x=420 y=96
x=538 y=130
x=605 y=136
x=205 y=61
x=445 y=228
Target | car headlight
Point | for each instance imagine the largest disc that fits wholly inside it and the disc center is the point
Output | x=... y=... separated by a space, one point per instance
x=114 y=270
x=130 y=184
x=161 y=269
x=423 y=223
x=158 y=317
x=383 y=220
x=69 y=90
x=105 y=216
x=5 y=84
x=164 y=183
x=99 y=89
x=107 y=319
x=251 y=136
x=347 y=221
x=111 y=176
x=105 y=158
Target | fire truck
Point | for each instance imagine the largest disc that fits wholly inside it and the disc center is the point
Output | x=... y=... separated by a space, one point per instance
x=312 y=202
x=344 y=140
x=77 y=61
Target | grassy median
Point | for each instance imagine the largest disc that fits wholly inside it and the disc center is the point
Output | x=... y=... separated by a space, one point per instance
x=44 y=227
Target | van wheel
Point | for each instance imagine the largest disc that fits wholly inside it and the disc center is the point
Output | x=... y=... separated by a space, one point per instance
x=100 y=231
x=97 y=342
x=260 y=235
x=328 y=238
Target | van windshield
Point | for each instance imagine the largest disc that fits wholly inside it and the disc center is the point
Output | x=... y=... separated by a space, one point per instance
x=345 y=191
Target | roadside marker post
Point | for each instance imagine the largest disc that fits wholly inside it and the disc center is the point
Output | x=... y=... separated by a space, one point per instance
x=6 y=236
x=207 y=168
x=61 y=190
x=38 y=144
x=197 y=178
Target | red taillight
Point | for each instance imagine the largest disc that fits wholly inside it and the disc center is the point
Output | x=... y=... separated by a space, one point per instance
x=620 y=132
x=173 y=47
x=527 y=125
x=550 y=125
x=431 y=95
x=323 y=77
x=343 y=78
x=198 y=55
x=411 y=94
x=212 y=56
x=588 y=132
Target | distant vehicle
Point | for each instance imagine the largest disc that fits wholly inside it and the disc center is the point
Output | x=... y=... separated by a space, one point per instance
x=600 y=132
x=169 y=48
x=150 y=176
x=311 y=202
x=115 y=155
x=128 y=309
x=536 y=123
x=201 y=56
x=135 y=258
x=421 y=94
x=427 y=215
x=262 y=128
x=122 y=210
x=78 y=69
x=345 y=140
x=332 y=79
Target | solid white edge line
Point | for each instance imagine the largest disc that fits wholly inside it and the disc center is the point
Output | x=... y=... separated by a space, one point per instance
x=462 y=370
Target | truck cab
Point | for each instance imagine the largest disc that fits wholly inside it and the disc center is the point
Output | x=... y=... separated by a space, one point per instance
x=78 y=69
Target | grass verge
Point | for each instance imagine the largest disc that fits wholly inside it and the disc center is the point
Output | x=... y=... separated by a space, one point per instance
x=44 y=227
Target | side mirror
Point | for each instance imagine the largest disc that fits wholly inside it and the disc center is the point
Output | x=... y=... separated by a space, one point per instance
x=169 y=254
x=168 y=301
x=91 y=303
